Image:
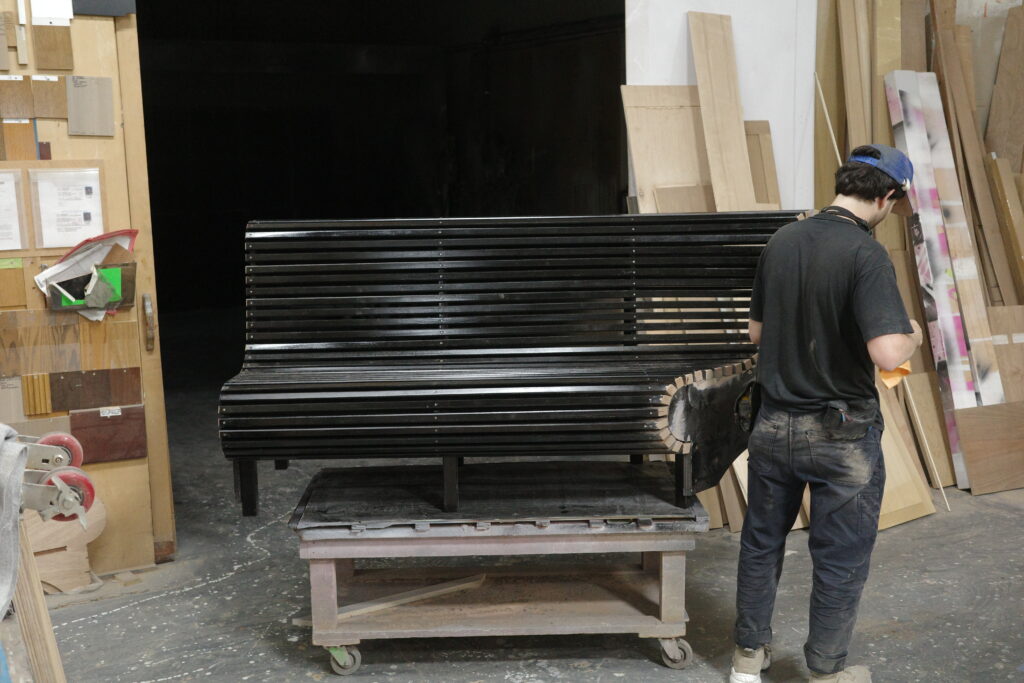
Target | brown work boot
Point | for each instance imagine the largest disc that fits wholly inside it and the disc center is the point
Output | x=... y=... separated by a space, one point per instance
x=853 y=674
x=747 y=665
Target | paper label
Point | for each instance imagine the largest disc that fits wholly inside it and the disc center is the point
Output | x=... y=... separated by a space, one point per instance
x=70 y=209
x=17 y=121
x=965 y=269
x=10 y=383
x=1018 y=338
x=10 y=215
x=110 y=412
x=10 y=263
x=1000 y=339
x=44 y=77
x=8 y=77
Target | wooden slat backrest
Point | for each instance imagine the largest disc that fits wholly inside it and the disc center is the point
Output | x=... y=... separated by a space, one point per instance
x=517 y=289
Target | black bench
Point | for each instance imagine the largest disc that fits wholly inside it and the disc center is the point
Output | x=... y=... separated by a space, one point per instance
x=448 y=338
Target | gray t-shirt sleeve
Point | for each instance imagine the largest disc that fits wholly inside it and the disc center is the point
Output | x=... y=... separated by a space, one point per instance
x=877 y=305
x=757 y=296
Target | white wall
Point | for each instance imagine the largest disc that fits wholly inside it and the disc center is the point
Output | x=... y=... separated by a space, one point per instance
x=775 y=57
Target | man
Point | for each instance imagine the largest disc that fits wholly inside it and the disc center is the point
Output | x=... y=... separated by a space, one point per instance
x=824 y=311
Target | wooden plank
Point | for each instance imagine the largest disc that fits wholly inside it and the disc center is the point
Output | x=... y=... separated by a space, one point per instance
x=323 y=594
x=896 y=418
x=127 y=542
x=5 y=58
x=993 y=443
x=34 y=618
x=714 y=58
x=12 y=284
x=35 y=395
x=984 y=366
x=1011 y=214
x=53 y=47
x=137 y=184
x=109 y=434
x=973 y=156
x=732 y=501
x=684 y=199
x=1004 y=134
x=49 y=97
x=912 y=44
x=965 y=51
x=762 y=162
x=666 y=140
x=38 y=341
x=856 y=77
x=19 y=140
x=828 y=65
x=16 y=97
x=90 y=105
x=711 y=500
x=10 y=20
x=921 y=390
x=906 y=280
x=109 y=344
x=885 y=57
x=95 y=388
x=671 y=591
x=1008 y=337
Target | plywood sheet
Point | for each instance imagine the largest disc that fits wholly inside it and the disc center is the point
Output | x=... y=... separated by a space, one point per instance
x=1005 y=132
x=684 y=199
x=732 y=501
x=50 y=97
x=1011 y=214
x=19 y=140
x=714 y=57
x=855 y=42
x=90 y=106
x=922 y=390
x=33 y=342
x=906 y=495
x=912 y=45
x=109 y=344
x=965 y=49
x=712 y=502
x=11 y=405
x=666 y=140
x=109 y=434
x=15 y=97
x=12 y=285
x=906 y=280
x=53 y=47
x=1008 y=337
x=762 y=162
x=993 y=442
x=95 y=388
x=42 y=426
x=127 y=542
x=828 y=65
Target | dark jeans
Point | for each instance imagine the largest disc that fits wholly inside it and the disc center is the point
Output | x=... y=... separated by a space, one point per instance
x=846 y=478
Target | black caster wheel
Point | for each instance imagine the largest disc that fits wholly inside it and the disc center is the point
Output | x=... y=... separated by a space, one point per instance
x=685 y=655
x=345 y=660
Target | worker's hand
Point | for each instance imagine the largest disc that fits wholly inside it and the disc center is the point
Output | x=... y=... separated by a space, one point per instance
x=916 y=335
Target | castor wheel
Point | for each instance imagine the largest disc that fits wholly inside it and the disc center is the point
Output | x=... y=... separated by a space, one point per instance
x=345 y=660
x=676 y=653
x=70 y=444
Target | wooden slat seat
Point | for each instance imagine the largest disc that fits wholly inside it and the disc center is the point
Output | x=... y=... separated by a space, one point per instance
x=471 y=337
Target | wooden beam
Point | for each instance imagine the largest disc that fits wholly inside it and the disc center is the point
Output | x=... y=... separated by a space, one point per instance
x=714 y=57
x=855 y=41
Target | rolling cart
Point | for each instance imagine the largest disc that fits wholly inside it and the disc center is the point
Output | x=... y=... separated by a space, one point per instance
x=507 y=509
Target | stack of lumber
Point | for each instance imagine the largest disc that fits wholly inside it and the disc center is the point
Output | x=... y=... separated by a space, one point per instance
x=904 y=73
x=692 y=151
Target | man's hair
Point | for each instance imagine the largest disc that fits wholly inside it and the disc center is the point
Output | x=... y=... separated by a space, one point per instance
x=864 y=181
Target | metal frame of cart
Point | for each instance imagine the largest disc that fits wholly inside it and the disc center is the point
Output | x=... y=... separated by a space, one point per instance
x=646 y=599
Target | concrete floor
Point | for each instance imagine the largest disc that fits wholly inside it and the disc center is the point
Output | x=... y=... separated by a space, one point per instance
x=944 y=603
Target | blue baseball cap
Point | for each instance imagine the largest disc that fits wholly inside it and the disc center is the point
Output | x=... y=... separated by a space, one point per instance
x=897 y=166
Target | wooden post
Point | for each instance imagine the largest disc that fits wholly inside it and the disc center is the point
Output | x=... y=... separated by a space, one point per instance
x=34 y=619
x=672 y=604
x=323 y=592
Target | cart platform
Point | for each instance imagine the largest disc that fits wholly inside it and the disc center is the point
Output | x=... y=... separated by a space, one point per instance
x=509 y=508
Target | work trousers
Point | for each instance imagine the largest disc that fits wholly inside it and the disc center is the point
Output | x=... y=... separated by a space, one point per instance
x=846 y=478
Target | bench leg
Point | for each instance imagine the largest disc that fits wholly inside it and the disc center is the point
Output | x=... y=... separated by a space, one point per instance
x=247 y=485
x=451 y=482
x=281 y=464
x=636 y=459
x=672 y=600
x=684 y=480
x=323 y=594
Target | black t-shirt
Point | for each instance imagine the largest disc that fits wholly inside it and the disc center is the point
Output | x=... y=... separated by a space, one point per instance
x=824 y=288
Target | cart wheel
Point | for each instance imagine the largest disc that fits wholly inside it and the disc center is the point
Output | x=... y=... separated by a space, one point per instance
x=76 y=479
x=685 y=656
x=345 y=660
x=68 y=443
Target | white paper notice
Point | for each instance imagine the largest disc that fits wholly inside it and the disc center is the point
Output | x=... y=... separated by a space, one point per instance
x=10 y=219
x=69 y=205
x=52 y=12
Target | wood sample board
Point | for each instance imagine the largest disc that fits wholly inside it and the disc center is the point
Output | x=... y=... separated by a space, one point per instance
x=993 y=444
x=714 y=57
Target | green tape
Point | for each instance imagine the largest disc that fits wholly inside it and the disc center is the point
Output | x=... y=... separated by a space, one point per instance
x=9 y=263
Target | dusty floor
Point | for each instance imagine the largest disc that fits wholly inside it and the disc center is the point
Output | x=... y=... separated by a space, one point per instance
x=944 y=603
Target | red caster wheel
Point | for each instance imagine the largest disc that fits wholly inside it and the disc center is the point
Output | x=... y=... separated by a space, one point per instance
x=75 y=479
x=68 y=443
